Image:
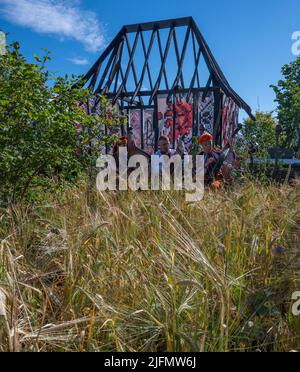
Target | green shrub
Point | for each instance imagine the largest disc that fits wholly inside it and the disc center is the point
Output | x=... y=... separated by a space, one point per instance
x=40 y=145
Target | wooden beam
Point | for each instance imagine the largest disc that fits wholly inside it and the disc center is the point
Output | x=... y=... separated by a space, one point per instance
x=128 y=67
x=157 y=85
x=195 y=72
x=178 y=56
x=139 y=86
x=215 y=70
x=102 y=58
x=117 y=80
x=94 y=79
x=108 y=66
x=161 y=57
x=145 y=107
x=195 y=115
x=118 y=69
x=174 y=120
x=207 y=87
x=113 y=96
x=145 y=54
x=123 y=77
x=161 y=92
x=113 y=71
x=155 y=123
x=180 y=22
x=217 y=73
x=133 y=65
x=195 y=56
x=218 y=102
x=182 y=58
x=142 y=128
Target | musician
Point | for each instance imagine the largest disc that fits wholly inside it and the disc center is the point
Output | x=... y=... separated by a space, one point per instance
x=164 y=150
x=132 y=150
x=211 y=154
x=211 y=157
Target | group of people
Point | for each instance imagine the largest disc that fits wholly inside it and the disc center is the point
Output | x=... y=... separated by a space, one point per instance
x=215 y=177
x=218 y=169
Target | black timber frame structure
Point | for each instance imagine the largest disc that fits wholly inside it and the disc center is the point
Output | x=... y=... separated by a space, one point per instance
x=109 y=76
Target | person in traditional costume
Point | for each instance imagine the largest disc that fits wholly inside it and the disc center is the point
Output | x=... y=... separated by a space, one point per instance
x=211 y=157
x=132 y=150
x=164 y=150
x=210 y=153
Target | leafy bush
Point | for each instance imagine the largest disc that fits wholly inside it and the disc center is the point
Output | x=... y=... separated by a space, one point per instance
x=45 y=134
x=288 y=98
x=257 y=136
x=260 y=131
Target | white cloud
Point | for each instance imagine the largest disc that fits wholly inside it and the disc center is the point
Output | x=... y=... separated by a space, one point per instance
x=64 y=18
x=79 y=61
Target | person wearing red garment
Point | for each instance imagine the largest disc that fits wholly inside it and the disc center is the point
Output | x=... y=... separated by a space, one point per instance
x=211 y=154
x=211 y=157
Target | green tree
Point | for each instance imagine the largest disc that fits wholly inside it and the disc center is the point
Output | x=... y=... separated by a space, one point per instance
x=260 y=131
x=288 y=98
x=46 y=137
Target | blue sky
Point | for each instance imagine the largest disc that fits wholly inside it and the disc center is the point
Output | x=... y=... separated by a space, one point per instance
x=250 y=39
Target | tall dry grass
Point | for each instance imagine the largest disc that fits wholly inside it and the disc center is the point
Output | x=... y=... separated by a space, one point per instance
x=149 y=272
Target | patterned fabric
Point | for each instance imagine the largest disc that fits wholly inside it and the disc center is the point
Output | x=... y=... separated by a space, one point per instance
x=180 y=115
x=206 y=111
x=135 y=122
x=229 y=120
x=184 y=123
x=183 y=120
x=215 y=155
x=149 y=133
x=165 y=118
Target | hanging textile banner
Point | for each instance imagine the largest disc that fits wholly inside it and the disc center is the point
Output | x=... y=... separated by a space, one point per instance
x=206 y=111
x=229 y=120
x=165 y=118
x=149 y=133
x=184 y=122
x=180 y=115
x=135 y=122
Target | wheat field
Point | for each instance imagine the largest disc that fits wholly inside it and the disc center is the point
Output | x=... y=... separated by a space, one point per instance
x=88 y=271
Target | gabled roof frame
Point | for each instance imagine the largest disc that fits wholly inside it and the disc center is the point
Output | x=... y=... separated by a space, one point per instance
x=106 y=82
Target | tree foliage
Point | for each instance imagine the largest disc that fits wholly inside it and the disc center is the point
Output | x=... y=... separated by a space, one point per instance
x=45 y=134
x=260 y=131
x=288 y=98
